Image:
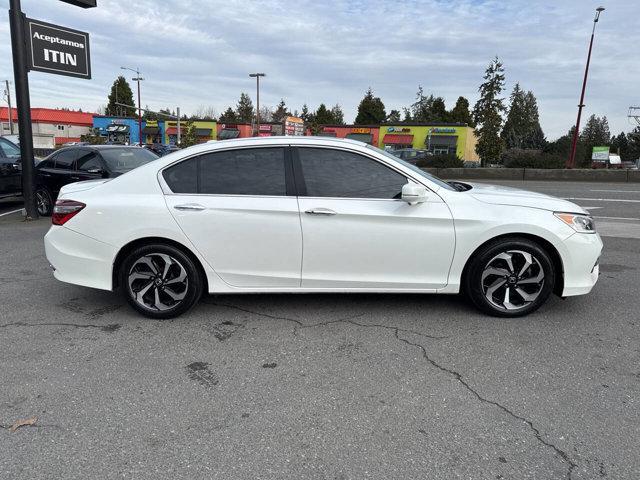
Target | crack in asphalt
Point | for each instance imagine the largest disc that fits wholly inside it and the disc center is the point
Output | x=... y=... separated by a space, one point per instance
x=105 y=328
x=459 y=378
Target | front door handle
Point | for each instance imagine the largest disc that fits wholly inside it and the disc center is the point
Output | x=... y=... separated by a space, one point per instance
x=190 y=207
x=320 y=211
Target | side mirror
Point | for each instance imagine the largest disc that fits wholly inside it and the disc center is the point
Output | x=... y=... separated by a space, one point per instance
x=412 y=193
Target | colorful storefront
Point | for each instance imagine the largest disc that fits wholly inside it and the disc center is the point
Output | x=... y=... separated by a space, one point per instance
x=364 y=133
x=453 y=139
x=153 y=131
x=205 y=130
x=227 y=131
x=122 y=130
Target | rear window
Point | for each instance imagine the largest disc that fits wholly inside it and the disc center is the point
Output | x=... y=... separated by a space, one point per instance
x=124 y=159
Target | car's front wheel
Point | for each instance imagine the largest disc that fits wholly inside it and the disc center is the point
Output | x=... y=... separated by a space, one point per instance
x=160 y=281
x=510 y=277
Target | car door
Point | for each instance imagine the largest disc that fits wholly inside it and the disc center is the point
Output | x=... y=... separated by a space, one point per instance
x=10 y=169
x=239 y=210
x=89 y=165
x=358 y=233
x=63 y=171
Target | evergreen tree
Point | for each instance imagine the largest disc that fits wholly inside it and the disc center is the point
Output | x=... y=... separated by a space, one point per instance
x=421 y=108
x=371 y=110
x=487 y=113
x=305 y=115
x=407 y=115
x=439 y=112
x=620 y=145
x=323 y=116
x=595 y=133
x=460 y=112
x=148 y=115
x=534 y=137
x=229 y=116
x=244 y=109
x=121 y=93
x=337 y=114
x=190 y=136
x=281 y=112
x=394 y=116
x=515 y=127
x=562 y=146
x=633 y=145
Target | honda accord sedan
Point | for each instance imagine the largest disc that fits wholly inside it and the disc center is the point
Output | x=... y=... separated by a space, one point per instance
x=315 y=214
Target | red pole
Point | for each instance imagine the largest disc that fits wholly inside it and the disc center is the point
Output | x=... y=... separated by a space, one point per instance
x=571 y=162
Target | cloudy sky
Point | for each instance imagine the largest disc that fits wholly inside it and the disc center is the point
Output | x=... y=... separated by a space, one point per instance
x=198 y=53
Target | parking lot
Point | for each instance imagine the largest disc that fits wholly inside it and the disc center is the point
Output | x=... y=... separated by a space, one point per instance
x=323 y=386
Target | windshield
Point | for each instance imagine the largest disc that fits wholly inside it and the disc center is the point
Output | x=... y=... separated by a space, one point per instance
x=124 y=159
x=417 y=170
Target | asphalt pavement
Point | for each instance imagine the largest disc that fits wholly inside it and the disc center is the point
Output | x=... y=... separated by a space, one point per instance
x=323 y=386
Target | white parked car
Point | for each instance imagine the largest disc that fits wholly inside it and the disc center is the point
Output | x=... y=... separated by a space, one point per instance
x=315 y=214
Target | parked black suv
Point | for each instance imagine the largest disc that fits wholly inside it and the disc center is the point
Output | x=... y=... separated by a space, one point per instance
x=74 y=164
x=10 y=169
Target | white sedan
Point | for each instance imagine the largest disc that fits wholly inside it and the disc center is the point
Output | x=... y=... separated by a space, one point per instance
x=314 y=214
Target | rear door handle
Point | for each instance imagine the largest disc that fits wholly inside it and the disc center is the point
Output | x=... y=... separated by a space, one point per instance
x=190 y=207
x=320 y=211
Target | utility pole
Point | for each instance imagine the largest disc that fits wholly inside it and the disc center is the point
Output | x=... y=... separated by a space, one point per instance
x=178 y=125
x=257 y=77
x=634 y=114
x=8 y=93
x=571 y=162
x=19 y=48
x=138 y=78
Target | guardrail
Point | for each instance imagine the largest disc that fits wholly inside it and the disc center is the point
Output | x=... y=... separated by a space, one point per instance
x=533 y=174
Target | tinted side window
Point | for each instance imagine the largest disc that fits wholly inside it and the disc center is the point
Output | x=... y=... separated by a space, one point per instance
x=9 y=149
x=251 y=171
x=183 y=177
x=337 y=173
x=65 y=158
x=88 y=160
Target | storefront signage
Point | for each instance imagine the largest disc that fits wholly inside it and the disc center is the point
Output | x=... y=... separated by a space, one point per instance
x=361 y=130
x=329 y=130
x=398 y=130
x=265 y=128
x=293 y=126
x=600 y=154
x=57 y=50
x=444 y=130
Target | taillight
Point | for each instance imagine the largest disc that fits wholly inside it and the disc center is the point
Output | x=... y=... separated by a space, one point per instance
x=65 y=210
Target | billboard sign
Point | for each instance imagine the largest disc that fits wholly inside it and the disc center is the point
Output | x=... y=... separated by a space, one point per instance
x=600 y=154
x=57 y=50
x=293 y=126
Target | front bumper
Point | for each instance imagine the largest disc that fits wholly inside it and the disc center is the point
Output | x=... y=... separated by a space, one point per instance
x=580 y=263
x=78 y=259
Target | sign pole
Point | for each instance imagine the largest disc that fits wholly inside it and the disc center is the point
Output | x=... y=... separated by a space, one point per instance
x=23 y=104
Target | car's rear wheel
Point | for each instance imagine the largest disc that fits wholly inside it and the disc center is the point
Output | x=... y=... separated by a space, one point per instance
x=160 y=281
x=44 y=201
x=510 y=277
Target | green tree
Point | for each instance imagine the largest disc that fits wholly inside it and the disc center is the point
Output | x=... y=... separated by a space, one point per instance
x=487 y=113
x=595 y=133
x=439 y=112
x=148 y=115
x=229 y=116
x=407 y=115
x=305 y=115
x=534 y=137
x=337 y=114
x=620 y=145
x=460 y=113
x=633 y=145
x=394 y=116
x=244 y=109
x=323 y=116
x=190 y=136
x=121 y=94
x=562 y=146
x=281 y=112
x=515 y=127
x=371 y=110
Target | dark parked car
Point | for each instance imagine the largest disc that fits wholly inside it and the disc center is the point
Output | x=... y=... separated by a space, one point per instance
x=161 y=149
x=75 y=164
x=10 y=169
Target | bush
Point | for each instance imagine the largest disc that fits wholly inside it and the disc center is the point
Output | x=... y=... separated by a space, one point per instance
x=439 y=161
x=517 y=158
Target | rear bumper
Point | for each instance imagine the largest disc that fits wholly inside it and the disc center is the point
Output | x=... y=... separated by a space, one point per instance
x=78 y=259
x=581 y=269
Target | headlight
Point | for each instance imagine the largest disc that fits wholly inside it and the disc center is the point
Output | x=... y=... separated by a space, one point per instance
x=580 y=223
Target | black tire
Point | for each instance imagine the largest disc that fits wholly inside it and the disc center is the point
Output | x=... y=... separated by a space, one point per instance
x=489 y=267
x=44 y=201
x=144 y=268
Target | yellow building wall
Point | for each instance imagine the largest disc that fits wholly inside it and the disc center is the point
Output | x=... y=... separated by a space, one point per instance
x=465 y=146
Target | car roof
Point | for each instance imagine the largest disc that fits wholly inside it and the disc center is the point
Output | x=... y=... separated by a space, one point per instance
x=286 y=139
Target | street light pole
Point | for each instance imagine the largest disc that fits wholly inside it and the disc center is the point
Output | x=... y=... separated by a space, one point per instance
x=571 y=162
x=19 y=47
x=8 y=91
x=137 y=79
x=257 y=77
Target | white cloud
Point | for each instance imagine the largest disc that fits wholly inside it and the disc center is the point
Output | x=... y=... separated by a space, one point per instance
x=196 y=53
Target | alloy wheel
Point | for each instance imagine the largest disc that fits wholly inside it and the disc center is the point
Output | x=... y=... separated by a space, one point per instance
x=158 y=281
x=42 y=202
x=512 y=280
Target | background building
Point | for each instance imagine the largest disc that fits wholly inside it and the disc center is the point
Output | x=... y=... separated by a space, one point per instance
x=205 y=130
x=117 y=129
x=453 y=139
x=51 y=127
x=364 y=133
